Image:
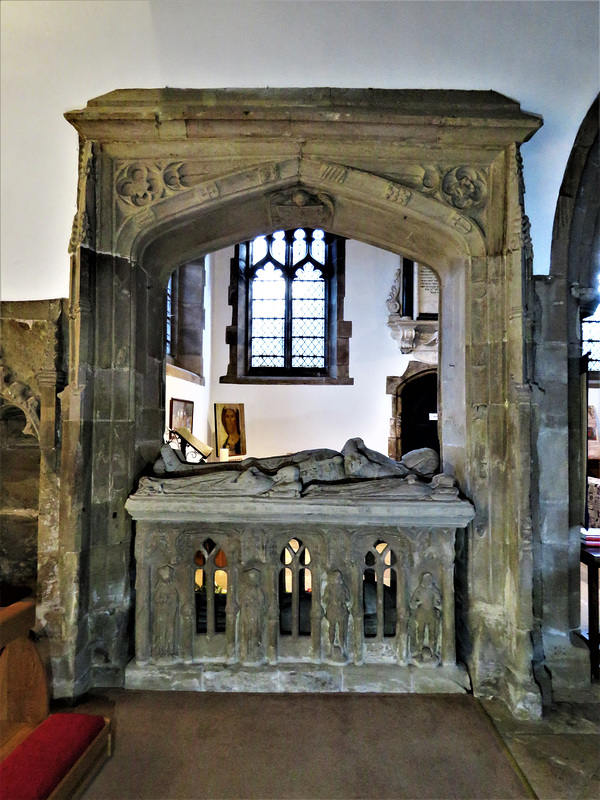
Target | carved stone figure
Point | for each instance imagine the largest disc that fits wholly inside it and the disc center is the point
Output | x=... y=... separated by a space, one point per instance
x=425 y=620
x=253 y=608
x=337 y=601
x=165 y=613
x=357 y=471
x=362 y=462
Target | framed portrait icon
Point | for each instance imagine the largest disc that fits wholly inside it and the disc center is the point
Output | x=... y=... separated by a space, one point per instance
x=230 y=428
x=181 y=414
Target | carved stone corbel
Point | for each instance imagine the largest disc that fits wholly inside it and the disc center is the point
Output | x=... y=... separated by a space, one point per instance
x=417 y=338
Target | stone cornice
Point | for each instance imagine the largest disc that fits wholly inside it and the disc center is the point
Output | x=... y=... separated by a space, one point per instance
x=483 y=117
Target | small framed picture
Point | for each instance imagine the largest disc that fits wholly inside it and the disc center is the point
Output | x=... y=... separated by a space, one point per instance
x=230 y=429
x=181 y=414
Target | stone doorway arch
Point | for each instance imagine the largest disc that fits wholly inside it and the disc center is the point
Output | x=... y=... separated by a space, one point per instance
x=167 y=176
x=395 y=387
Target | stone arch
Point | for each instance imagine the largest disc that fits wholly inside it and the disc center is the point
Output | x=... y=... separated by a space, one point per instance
x=166 y=176
x=394 y=387
x=363 y=206
x=411 y=224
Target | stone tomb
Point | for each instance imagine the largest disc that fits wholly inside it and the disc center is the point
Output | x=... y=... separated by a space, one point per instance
x=294 y=574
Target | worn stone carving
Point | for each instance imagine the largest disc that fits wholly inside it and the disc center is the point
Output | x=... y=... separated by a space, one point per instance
x=300 y=208
x=253 y=609
x=444 y=488
x=424 y=178
x=334 y=173
x=397 y=194
x=20 y=395
x=138 y=185
x=357 y=472
x=337 y=602
x=269 y=172
x=525 y=232
x=81 y=232
x=424 y=462
x=165 y=604
x=461 y=223
x=425 y=621
x=464 y=187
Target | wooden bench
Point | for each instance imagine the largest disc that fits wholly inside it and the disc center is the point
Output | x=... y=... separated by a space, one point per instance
x=41 y=757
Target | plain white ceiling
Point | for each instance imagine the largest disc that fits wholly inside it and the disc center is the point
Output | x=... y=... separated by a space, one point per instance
x=57 y=55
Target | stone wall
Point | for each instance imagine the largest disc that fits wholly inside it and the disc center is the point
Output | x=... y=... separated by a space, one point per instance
x=32 y=369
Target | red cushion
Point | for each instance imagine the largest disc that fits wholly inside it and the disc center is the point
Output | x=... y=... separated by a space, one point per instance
x=38 y=764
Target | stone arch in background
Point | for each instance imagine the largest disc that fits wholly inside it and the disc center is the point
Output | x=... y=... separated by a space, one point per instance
x=167 y=176
x=562 y=300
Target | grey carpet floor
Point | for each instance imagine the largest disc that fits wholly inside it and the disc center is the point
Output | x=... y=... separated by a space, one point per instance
x=171 y=745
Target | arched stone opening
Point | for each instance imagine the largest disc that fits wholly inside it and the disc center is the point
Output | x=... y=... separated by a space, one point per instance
x=167 y=177
x=396 y=386
x=190 y=234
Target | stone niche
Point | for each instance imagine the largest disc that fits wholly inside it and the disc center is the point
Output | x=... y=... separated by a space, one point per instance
x=346 y=586
x=167 y=176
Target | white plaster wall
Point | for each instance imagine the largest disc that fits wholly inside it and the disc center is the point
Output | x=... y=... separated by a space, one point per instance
x=187 y=390
x=285 y=419
x=57 y=54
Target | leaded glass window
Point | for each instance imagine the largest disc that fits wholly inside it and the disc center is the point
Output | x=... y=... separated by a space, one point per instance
x=288 y=289
x=287 y=294
x=590 y=334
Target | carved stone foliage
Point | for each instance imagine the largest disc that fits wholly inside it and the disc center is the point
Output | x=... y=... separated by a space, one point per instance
x=464 y=188
x=141 y=183
x=18 y=394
